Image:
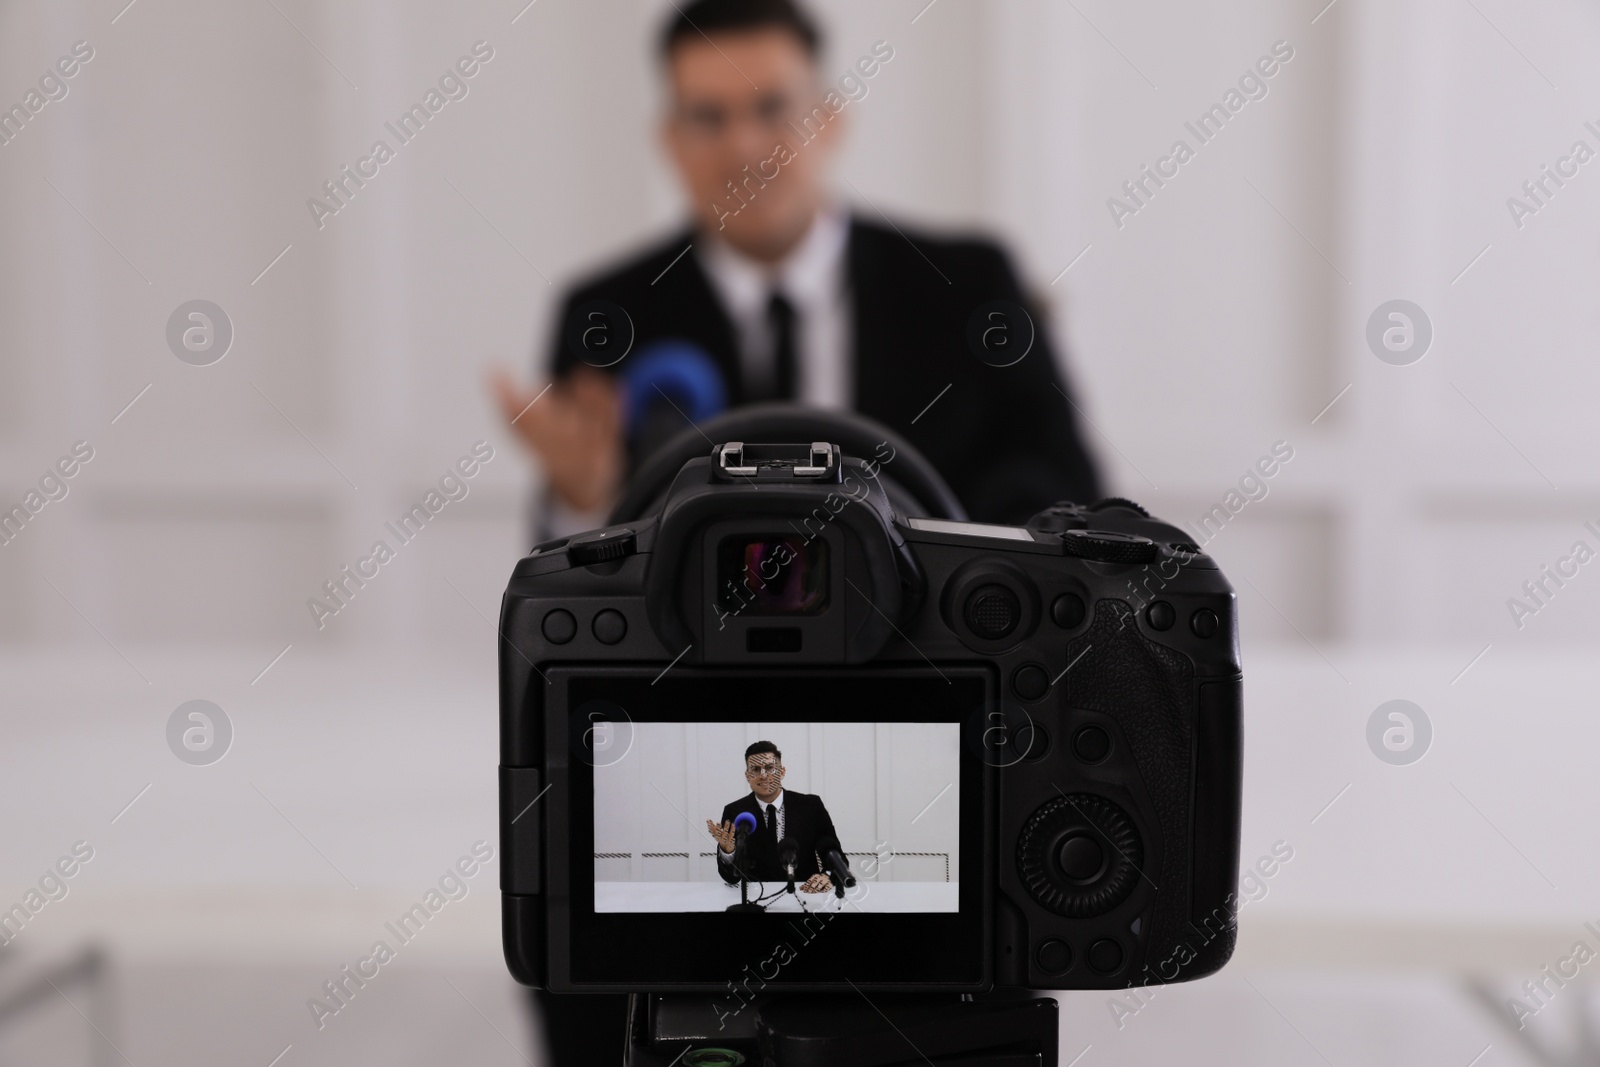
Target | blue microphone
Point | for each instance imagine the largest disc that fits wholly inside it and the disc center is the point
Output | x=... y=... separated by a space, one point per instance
x=665 y=383
x=744 y=824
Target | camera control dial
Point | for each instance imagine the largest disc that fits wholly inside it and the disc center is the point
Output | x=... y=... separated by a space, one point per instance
x=1079 y=855
x=1109 y=546
x=601 y=546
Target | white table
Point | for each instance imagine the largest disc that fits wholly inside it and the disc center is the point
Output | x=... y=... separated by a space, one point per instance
x=716 y=896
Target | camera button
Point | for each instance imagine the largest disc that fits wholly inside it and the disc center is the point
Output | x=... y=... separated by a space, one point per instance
x=1203 y=622
x=559 y=627
x=1030 y=682
x=1092 y=744
x=1030 y=741
x=1053 y=956
x=610 y=626
x=1105 y=955
x=1160 y=615
x=1081 y=858
x=1068 y=611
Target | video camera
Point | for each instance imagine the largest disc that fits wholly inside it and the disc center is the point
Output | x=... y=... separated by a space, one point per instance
x=1028 y=737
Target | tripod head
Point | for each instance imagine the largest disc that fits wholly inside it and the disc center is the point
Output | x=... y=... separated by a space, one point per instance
x=1005 y=1028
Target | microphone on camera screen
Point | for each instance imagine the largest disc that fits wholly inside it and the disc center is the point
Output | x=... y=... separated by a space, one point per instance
x=666 y=386
x=744 y=824
x=835 y=864
x=788 y=855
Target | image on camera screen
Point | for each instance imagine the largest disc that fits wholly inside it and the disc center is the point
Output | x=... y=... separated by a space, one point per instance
x=697 y=805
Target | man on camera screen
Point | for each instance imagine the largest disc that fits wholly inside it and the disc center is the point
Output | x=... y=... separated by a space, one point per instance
x=780 y=814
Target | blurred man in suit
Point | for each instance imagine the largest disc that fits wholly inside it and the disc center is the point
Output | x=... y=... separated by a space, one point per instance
x=777 y=292
x=780 y=813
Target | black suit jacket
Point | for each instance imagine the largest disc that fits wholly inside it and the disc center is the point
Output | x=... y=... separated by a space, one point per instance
x=805 y=819
x=1005 y=438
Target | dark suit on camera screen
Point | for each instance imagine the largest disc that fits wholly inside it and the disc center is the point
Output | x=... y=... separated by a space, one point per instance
x=801 y=816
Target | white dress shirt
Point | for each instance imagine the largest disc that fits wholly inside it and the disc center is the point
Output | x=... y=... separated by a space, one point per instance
x=812 y=276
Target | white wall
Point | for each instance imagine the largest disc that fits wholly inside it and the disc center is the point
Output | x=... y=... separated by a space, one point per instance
x=1223 y=317
x=1217 y=321
x=892 y=790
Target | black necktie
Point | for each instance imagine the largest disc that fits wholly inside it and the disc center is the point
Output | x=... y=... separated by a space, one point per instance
x=781 y=318
x=772 y=819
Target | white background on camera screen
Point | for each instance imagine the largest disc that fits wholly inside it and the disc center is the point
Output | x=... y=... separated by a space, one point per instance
x=891 y=789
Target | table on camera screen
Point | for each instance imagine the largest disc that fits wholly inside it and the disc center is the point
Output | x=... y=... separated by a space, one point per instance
x=866 y=897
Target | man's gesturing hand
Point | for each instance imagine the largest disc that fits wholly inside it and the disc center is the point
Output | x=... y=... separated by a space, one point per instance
x=817 y=883
x=723 y=834
x=576 y=431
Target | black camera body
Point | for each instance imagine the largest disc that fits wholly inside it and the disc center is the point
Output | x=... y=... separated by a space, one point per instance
x=1088 y=662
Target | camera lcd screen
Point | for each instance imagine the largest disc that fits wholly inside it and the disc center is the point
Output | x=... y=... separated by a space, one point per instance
x=668 y=780
x=780 y=796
